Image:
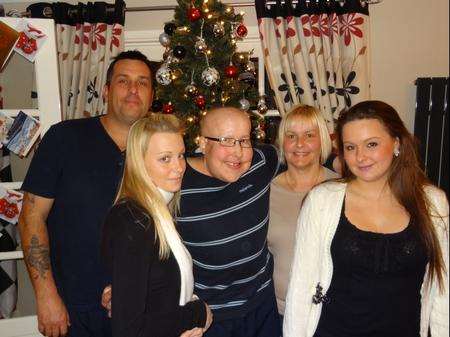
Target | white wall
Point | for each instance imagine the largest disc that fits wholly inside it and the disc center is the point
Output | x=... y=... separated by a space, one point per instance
x=409 y=39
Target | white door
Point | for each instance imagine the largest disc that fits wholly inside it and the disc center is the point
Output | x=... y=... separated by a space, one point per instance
x=48 y=112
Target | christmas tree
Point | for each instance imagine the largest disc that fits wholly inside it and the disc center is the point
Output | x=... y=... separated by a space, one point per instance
x=202 y=67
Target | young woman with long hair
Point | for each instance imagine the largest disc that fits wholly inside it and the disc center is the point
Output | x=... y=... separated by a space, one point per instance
x=151 y=269
x=371 y=256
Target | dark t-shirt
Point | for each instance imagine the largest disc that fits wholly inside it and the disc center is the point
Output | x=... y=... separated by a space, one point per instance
x=79 y=166
x=224 y=226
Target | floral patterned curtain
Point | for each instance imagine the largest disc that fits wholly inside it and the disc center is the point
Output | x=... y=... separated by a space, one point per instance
x=88 y=36
x=316 y=53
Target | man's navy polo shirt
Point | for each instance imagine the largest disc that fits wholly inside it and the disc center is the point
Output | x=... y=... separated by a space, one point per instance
x=79 y=166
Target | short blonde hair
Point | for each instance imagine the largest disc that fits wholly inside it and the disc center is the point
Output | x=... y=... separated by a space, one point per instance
x=137 y=185
x=308 y=114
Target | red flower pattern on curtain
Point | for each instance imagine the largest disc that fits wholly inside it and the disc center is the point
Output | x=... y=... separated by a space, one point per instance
x=116 y=36
x=349 y=23
x=99 y=35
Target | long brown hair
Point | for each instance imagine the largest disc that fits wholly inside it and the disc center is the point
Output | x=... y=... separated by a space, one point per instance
x=406 y=178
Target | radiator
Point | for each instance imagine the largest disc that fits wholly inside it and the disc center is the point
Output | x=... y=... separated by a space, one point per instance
x=431 y=127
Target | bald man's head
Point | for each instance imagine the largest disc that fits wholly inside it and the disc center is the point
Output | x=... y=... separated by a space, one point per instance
x=222 y=161
x=217 y=115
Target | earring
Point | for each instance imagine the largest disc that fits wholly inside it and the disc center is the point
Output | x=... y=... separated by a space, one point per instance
x=396 y=152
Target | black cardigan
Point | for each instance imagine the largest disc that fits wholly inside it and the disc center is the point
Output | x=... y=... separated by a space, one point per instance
x=146 y=290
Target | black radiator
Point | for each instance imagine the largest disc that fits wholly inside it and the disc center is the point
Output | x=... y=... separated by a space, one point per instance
x=431 y=127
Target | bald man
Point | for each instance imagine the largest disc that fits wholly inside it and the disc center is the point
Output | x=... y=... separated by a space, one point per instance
x=223 y=221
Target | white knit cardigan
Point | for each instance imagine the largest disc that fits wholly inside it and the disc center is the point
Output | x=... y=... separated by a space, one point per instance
x=312 y=263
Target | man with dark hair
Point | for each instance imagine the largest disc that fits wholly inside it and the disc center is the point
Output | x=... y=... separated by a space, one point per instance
x=71 y=184
x=126 y=55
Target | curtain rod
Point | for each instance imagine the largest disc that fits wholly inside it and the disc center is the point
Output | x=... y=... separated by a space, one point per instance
x=49 y=14
x=172 y=7
x=269 y=3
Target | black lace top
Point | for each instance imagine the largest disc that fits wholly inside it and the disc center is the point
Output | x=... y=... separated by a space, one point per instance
x=375 y=289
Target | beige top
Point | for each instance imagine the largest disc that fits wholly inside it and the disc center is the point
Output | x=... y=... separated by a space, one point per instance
x=284 y=211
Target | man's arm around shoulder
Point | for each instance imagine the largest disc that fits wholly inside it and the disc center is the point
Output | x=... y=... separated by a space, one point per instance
x=53 y=319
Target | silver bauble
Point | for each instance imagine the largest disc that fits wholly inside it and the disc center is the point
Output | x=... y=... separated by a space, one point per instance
x=218 y=29
x=210 y=76
x=164 y=39
x=200 y=45
x=164 y=75
x=262 y=107
x=244 y=104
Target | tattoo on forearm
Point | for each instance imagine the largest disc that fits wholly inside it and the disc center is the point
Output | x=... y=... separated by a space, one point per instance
x=38 y=257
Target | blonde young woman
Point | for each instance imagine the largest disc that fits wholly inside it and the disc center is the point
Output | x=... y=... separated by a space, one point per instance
x=304 y=145
x=371 y=257
x=151 y=269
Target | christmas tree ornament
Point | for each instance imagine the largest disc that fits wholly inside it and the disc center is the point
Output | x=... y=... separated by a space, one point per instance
x=167 y=108
x=250 y=67
x=179 y=52
x=169 y=28
x=191 y=90
x=240 y=31
x=261 y=106
x=157 y=105
x=210 y=76
x=231 y=71
x=218 y=29
x=247 y=77
x=163 y=75
x=240 y=58
x=194 y=14
x=200 y=45
x=164 y=39
x=200 y=102
x=244 y=104
x=259 y=134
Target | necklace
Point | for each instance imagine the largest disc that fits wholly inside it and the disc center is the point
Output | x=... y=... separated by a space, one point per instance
x=299 y=187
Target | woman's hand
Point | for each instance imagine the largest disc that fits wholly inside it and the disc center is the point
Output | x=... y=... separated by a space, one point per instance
x=196 y=332
x=106 y=299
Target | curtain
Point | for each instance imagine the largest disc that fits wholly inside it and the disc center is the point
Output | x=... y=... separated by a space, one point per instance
x=88 y=36
x=316 y=53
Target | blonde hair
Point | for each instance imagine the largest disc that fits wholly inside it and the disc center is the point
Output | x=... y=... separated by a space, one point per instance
x=137 y=185
x=309 y=114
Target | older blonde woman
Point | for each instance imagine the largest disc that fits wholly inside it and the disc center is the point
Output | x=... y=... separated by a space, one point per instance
x=304 y=145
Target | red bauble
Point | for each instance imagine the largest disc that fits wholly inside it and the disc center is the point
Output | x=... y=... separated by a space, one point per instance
x=200 y=102
x=231 y=71
x=167 y=108
x=241 y=31
x=194 y=14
